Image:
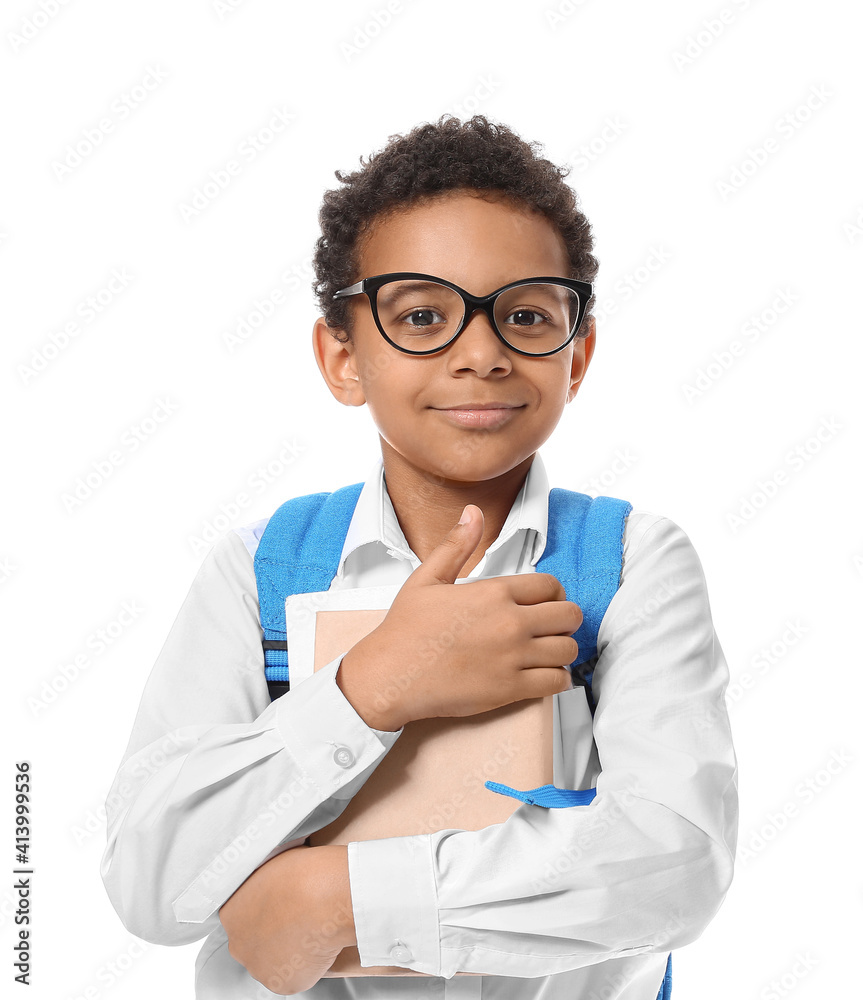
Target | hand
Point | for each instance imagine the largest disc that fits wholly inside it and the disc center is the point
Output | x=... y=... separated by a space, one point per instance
x=292 y=916
x=457 y=650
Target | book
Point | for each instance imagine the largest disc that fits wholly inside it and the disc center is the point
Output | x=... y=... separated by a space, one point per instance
x=433 y=777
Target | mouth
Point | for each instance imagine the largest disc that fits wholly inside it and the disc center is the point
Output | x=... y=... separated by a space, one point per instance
x=491 y=414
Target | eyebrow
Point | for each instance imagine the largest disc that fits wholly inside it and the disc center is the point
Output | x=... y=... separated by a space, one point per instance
x=409 y=285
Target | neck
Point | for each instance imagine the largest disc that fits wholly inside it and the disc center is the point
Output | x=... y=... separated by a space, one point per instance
x=428 y=507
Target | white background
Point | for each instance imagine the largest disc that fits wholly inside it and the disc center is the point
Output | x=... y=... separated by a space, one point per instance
x=675 y=108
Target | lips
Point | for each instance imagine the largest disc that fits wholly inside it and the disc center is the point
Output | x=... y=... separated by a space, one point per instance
x=493 y=414
x=495 y=405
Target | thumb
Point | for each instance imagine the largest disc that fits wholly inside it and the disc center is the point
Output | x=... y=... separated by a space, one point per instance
x=444 y=563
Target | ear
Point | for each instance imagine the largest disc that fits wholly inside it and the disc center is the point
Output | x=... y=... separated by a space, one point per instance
x=337 y=364
x=581 y=356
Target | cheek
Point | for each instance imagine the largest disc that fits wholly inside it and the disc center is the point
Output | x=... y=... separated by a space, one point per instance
x=384 y=379
x=551 y=384
x=391 y=393
x=375 y=370
x=392 y=382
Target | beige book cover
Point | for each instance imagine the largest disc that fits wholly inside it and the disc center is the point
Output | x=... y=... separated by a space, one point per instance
x=433 y=777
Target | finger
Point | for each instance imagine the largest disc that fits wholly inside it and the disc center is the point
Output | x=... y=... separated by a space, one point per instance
x=539 y=682
x=551 y=651
x=550 y=618
x=444 y=563
x=533 y=588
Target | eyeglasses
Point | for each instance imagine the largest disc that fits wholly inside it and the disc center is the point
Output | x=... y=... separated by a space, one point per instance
x=422 y=314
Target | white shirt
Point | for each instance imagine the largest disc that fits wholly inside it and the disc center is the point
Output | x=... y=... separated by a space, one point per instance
x=582 y=901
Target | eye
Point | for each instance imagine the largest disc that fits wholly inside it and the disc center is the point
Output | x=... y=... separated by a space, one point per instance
x=525 y=317
x=422 y=317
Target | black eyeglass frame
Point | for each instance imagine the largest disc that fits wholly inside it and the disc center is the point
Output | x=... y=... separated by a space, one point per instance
x=370 y=286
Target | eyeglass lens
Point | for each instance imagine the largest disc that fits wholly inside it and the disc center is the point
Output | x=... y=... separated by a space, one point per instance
x=420 y=315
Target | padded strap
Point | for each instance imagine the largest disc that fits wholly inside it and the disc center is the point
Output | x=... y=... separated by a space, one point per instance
x=299 y=553
x=584 y=550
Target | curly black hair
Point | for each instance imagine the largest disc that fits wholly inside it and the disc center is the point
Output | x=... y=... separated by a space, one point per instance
x=429 y=160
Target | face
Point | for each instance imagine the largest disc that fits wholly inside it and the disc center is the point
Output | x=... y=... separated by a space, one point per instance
x=480 y=245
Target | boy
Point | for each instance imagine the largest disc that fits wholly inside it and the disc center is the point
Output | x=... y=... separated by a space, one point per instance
x=218 y=782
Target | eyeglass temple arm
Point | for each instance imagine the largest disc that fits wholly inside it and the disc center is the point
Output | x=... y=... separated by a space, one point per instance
x=354 y=289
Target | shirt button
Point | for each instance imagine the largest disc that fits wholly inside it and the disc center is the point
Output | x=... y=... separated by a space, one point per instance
x=400 y=953
x=344 y=757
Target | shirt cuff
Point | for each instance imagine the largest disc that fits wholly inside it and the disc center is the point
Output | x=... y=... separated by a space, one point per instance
x=325 y=734
x=394 y=899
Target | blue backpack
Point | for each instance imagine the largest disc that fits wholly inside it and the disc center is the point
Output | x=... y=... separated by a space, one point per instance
x=301 y=546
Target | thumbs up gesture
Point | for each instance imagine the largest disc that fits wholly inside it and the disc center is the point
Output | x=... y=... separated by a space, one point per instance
x=447 y=649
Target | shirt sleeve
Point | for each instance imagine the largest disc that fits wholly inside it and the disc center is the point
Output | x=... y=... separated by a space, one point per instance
x=643 y=868
x=216 y=778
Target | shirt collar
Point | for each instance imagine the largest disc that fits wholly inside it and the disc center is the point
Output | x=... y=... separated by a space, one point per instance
x=375 y=520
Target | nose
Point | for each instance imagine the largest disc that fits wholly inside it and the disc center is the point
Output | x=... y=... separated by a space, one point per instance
x=478 y=347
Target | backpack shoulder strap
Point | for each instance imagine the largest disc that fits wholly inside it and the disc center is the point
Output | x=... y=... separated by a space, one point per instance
x=298 y=553
x=584 y=550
